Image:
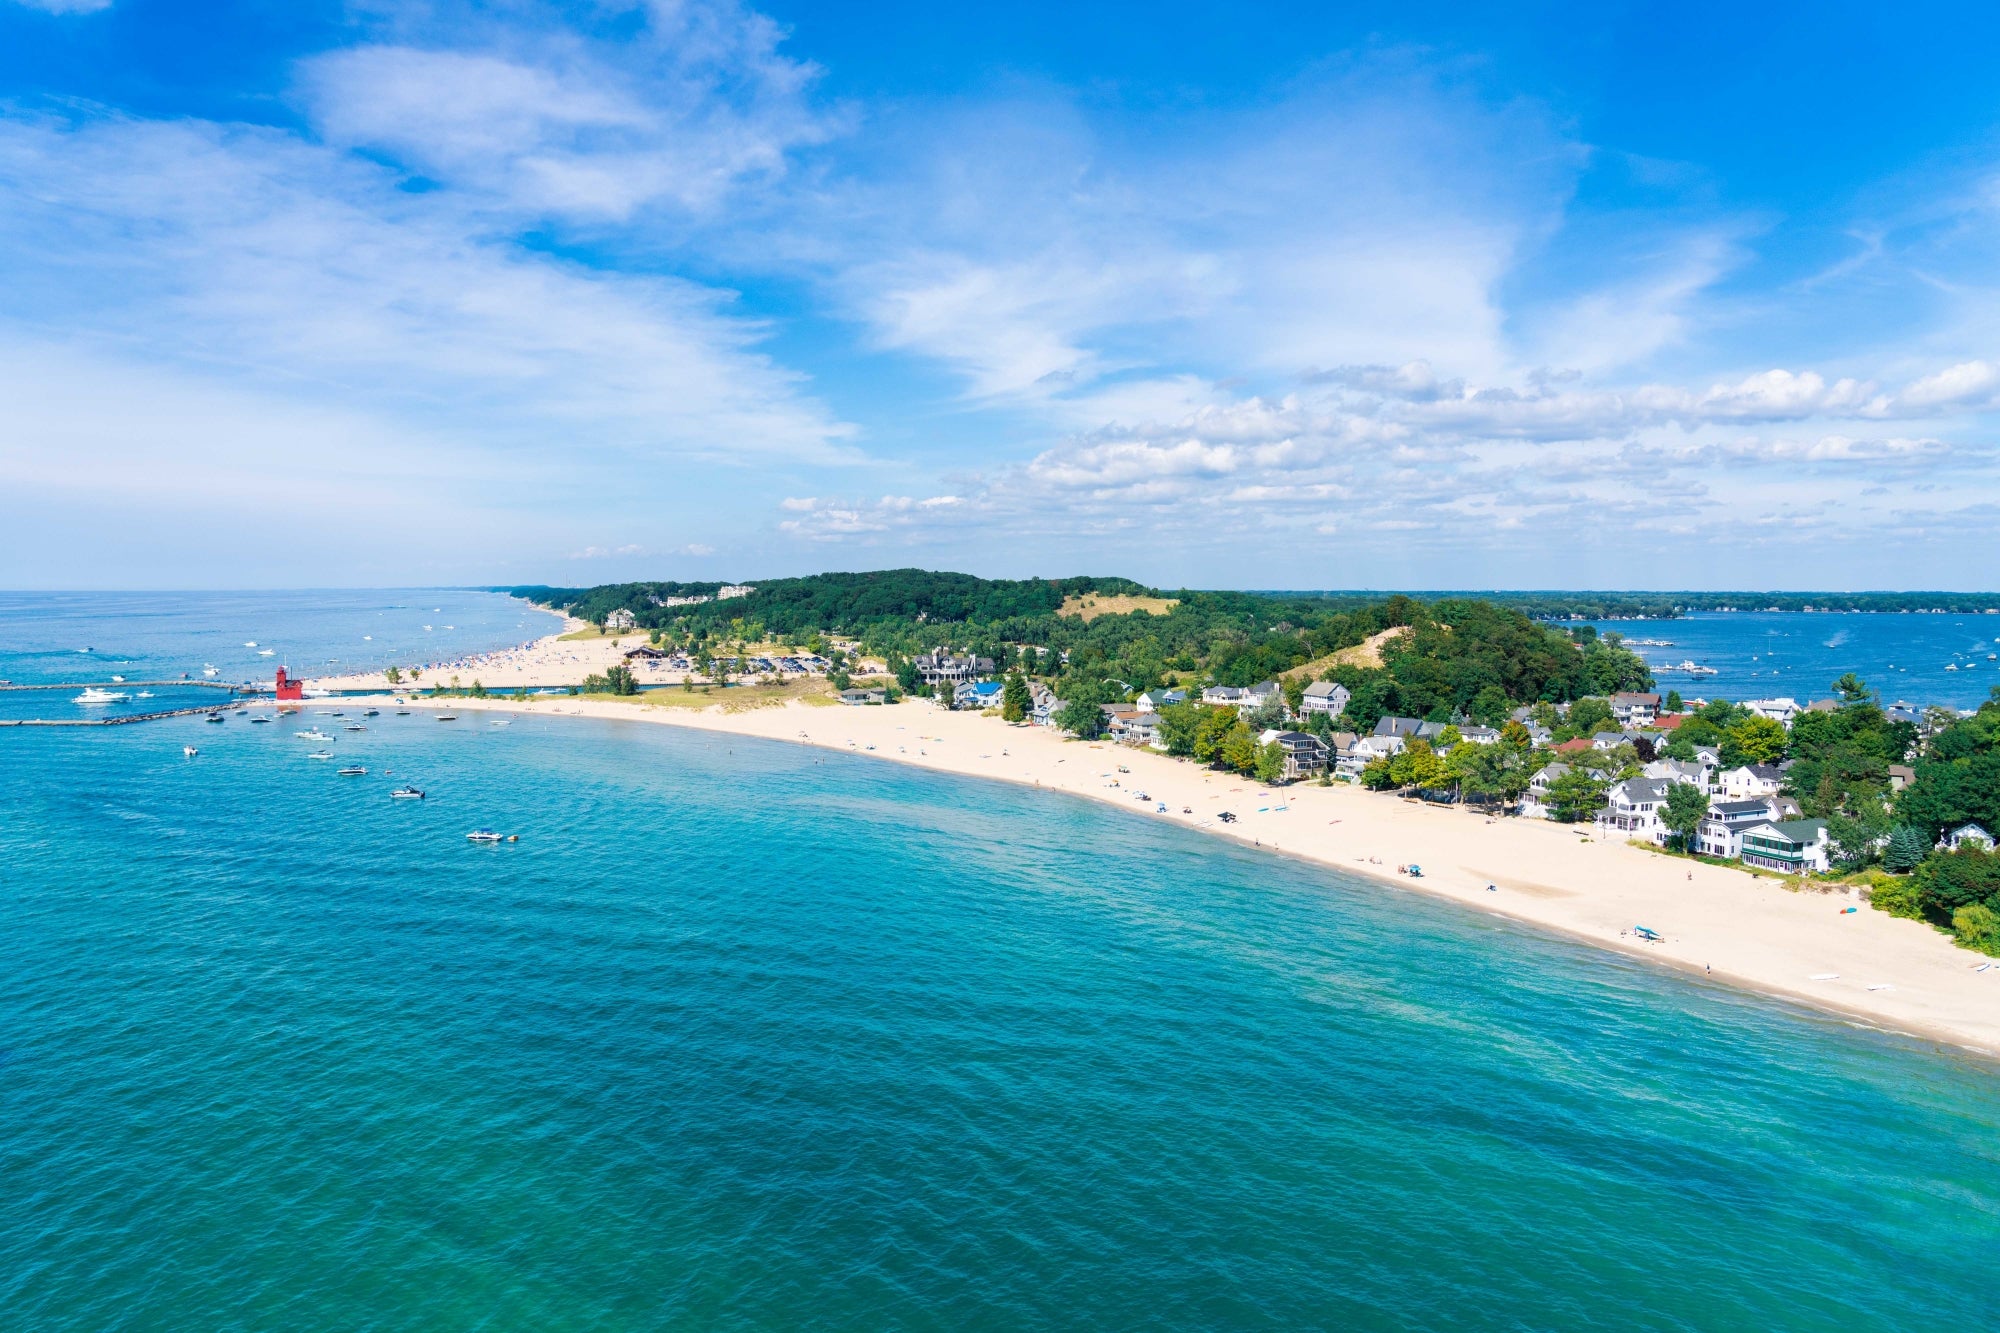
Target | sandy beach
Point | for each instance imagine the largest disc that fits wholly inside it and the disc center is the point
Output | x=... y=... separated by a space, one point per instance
x=549 y=662
x=1722 y=923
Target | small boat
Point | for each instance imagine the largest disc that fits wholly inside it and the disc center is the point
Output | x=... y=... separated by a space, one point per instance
x=373 y=712
x=320 y=754
x=215 y=717
x=260 y=721
x=482 y=835
x=265 y=652
x=143 y=694
x=352 y=771
x=93 y=695
x=1952 y=667
x=447 y=717
x=118 y=680
x=402 y=712
x=250 y=643
x=356 y=726
x=208 y=671
x=406 y=794
x=314 y=735
x=189 y=751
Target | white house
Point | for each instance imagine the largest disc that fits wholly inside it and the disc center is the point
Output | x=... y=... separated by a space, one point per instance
x=1364 y=752
x=1152 y=701
x=1721 y=830
x=1778 y=710
x=1324 y=696
x=1635 y=710
x=1966 y=835
x=1794 y=847
x=1535 y=801
x=621 y=619
x=1479 y=735
x=1679 y=770
x=1222 y=696
x=1750 y=782
x=1632 y=807
x=1305 y=754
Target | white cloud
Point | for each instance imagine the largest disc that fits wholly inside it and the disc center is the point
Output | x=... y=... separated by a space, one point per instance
x=1970 y=383
x=686 y=104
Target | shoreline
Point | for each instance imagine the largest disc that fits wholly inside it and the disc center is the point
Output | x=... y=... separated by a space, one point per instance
x=1889 y=974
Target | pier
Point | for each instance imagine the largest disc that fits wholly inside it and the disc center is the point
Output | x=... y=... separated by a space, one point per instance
x=122 y=719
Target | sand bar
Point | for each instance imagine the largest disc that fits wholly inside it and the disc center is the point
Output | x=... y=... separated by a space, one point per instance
x=1896 y=974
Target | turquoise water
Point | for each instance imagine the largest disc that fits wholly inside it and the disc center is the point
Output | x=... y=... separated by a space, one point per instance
x=1760 y=654
x=745 y=1036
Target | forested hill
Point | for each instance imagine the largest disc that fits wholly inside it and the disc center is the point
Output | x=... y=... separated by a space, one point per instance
x=841 y=603
x=1458 y=656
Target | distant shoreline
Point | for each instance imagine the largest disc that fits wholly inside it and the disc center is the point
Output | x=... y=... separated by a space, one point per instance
x=1719 y=923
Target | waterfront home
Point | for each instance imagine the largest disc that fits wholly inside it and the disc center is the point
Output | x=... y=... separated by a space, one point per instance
x=1778 y=710
x=1610 y=740
x=1140 y=729
x=857 y=698
x=1479 y=735
x=1324 y=696
x=1305 y=753
x=1901 y=776
x=620 y=619
x=1535 y=801
x=1222 y=696
x=941 y=666
x=1750 y=782
x=1152 y=701
x=1966 y=835
x=1042 y=704
x=1679 y=770
x=1634 y=710
x=1263 y=692
x=1364 y=752
x=976 y=694
x=1793 y=847
x=1721 y=830
x=1632 y=807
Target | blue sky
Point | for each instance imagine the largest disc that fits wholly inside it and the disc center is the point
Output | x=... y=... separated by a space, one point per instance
x=1273 y=296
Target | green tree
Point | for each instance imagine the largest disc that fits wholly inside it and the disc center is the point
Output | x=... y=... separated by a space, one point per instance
x=1686 y=806
x=1673 y=703
x=1490 y=707
x=1377 y=775
x=394 y=676
x=1897 y=897
x=1014 y=702
x=1951 y=880
x=1906 y=850
x=1082 y=719
x=1754 y=740
x=1977 y=926
x=1587 y=717
x=1851 y=688
x=1295 y=693
x=1239 y=749
x=1179 y=725
x=1210 y=733
x=1271 y=763
x=1575 y=795
x=477 y=691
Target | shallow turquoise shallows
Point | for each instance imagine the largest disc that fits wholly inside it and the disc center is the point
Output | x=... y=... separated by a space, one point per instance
x=743 y=1035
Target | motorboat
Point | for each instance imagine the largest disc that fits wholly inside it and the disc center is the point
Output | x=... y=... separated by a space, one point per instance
x=93 y=695
x=215 y=717
x=314 y=735
x=356 y=726
x=447 y=717
x=209 y=670
x=120 y=680
x=143 y=694
x=406 y=794
x=260 y=721
x=402 y=712
x=373 y=712
x=320 y=754
x=266 y=652
x=352 y=771
x=189 y=751
x=251 y=643
x=482 y=835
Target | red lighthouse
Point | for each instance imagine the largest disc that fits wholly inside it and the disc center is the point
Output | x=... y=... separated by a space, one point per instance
x=289 y=689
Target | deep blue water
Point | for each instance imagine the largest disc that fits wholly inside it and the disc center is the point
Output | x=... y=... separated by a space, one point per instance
x=1763 y=653
x=164 y=636
x=746 y=1036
